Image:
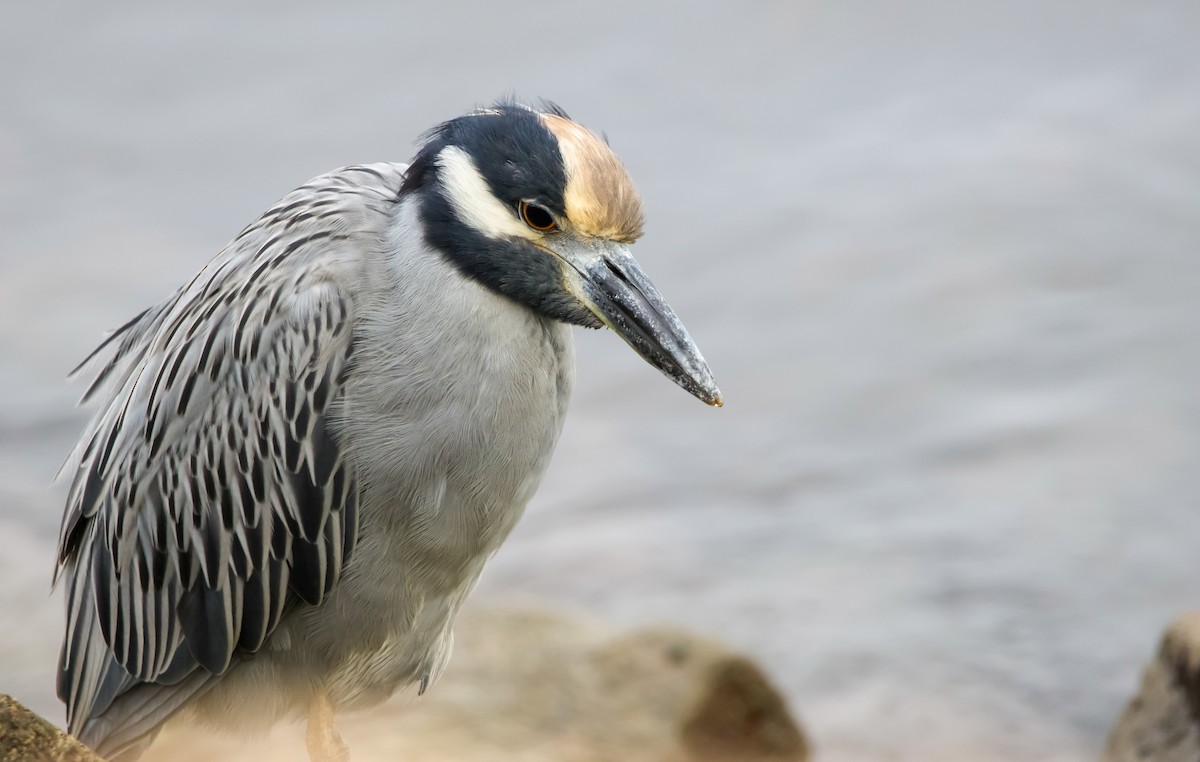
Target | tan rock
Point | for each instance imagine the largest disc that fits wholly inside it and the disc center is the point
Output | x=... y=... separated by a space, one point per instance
x=532 y=686
x=1162 y=722
x=26 y=737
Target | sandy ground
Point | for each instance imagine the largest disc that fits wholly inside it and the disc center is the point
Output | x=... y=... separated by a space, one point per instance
x=942 y=257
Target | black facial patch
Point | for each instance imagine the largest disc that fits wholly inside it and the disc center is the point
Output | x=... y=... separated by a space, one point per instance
x=513 y=267
x=520 y=161
x=511 y=147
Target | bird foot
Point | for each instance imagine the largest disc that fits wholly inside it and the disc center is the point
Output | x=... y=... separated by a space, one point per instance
x=324 y=742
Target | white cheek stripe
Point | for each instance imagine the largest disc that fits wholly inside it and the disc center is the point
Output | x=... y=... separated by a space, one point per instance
x=473 y=200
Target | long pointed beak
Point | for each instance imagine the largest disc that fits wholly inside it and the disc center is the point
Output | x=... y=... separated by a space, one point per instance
x=622 y=296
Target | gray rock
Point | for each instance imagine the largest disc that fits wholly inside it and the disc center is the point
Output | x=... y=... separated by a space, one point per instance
x=27 y=737
x=537 y=686
x=1162 y=722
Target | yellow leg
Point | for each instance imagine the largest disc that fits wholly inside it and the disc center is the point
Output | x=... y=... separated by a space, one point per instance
x=324 y=742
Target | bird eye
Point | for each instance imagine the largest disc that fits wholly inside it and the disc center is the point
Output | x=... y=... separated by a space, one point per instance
x=537 y=217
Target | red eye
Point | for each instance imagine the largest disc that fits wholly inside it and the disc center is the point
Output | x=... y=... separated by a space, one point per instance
x=537 y=217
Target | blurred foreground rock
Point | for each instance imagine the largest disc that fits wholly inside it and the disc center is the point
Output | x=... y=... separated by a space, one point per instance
x=1162 y=722
x=26 y=737
x=532 y=686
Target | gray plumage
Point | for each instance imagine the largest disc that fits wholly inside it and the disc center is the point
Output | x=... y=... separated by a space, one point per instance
x=300 y=463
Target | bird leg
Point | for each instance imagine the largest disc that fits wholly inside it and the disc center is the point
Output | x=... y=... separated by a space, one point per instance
x=324 y=742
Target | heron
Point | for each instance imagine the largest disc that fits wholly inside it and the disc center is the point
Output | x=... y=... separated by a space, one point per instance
x=301 y=460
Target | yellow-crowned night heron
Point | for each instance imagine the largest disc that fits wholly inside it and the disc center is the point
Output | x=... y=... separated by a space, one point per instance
x=303 y=457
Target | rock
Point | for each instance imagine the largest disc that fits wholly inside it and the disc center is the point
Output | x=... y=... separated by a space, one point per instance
x=1162 y=722
x=533 y=686
x=26 y=737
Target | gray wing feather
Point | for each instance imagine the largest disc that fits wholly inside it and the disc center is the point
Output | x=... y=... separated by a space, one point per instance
x=208 y=493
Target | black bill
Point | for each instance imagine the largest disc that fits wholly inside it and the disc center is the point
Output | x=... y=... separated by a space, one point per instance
x=626 y=300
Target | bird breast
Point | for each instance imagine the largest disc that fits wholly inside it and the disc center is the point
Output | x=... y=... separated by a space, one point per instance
x=451 y=410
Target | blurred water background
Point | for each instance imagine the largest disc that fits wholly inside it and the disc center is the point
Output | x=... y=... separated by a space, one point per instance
x=941 y=255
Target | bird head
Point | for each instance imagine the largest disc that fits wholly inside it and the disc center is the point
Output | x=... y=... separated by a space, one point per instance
x=538 y=208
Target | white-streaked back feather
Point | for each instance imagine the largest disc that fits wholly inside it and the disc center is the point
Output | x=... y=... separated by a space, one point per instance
x=207 y=493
